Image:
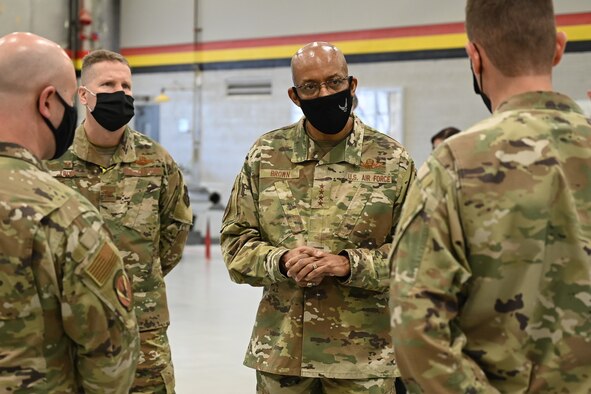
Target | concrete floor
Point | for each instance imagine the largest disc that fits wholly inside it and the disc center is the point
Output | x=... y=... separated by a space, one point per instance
x=211 y=322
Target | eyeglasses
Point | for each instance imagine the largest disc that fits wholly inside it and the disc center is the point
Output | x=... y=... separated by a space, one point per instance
x=313 y=88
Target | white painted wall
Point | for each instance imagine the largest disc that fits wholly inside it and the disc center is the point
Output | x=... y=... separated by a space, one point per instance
x=46 y=18
x=156 y=22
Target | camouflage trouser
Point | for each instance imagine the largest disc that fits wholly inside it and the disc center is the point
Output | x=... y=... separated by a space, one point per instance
x=277 y=384
x=154 y=374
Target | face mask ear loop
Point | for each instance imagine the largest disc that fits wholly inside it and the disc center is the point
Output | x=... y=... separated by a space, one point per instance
x=89 y=91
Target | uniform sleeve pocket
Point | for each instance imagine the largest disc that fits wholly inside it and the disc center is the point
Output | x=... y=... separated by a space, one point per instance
x=416 y=238
x=18 y=291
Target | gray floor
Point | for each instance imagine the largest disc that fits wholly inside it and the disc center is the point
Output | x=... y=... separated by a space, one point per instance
x=211 y=322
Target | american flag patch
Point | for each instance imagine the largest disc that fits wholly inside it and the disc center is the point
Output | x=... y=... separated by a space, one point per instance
x=102 y=266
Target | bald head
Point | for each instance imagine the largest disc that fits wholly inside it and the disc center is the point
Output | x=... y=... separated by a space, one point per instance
x=37 y=82
x=314 y=57
x=29 y=62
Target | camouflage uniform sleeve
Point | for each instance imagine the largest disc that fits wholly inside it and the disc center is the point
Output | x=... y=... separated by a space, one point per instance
x=96 y=305
x=370 y=268
x=248 y=257
x=175 y=218
x=430 y=272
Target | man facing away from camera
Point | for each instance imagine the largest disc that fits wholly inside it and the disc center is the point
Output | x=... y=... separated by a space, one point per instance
x=492 y=260
x=66 y=316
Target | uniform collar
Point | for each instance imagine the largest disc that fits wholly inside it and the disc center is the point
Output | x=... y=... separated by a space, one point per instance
x=348 y=150
x=125 y=152
x=15 y=151
x=540 y=100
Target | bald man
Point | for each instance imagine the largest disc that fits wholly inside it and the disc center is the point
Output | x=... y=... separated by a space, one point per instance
x=66 y=318
x=310 y=220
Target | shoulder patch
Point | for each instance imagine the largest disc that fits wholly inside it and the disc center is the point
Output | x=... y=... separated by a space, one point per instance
x=122 y=287
x=103 y=265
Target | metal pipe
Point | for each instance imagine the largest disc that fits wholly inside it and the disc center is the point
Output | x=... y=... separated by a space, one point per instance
x=73 y=29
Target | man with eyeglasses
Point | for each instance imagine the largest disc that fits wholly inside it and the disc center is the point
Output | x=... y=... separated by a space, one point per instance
x=310 y=220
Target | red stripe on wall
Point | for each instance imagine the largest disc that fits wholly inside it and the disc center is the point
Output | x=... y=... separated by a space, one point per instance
x=289 y=40
x=449 y=28
x=426 y=30
x=573 y=19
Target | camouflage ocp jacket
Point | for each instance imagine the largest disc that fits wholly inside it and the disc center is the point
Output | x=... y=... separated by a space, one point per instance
x=66 y=323
x=349 y=200
x=492 y=270
x=145 y=204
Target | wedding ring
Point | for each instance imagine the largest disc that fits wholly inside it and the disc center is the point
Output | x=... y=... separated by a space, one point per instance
x=314 y=266
x=310 y=284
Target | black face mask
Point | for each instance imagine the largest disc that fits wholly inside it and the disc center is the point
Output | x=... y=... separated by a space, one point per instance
x=113 y=110
x=477 y=90
x=64 y=133
x=329 y=114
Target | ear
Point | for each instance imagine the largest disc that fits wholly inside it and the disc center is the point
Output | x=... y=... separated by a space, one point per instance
x=45 y=106
x=561 y=40
x=353 y=86
x=293 y=96
x=82 y=95
x=474 y=57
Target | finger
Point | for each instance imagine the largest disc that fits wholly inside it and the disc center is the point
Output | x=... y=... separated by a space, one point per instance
x=297 y=266
x=318 y=271
x=304 y=271
x=294 y=259
x=307 y=249
x=319 y=253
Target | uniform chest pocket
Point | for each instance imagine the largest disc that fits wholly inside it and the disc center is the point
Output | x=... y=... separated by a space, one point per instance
x=81 y=181
x=367 y=221
x=280 y=217
x=139 y=196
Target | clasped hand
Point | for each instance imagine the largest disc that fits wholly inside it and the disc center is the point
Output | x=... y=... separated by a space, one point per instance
x=309 y=266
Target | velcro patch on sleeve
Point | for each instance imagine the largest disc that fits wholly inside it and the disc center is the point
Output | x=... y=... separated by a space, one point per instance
x=103 y=265
x=122 y=287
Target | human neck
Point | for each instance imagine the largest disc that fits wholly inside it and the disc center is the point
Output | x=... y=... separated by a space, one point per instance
x=318 y=135
x=100 y=137
x=507 y=87
x=34 y=137
x=32 y=145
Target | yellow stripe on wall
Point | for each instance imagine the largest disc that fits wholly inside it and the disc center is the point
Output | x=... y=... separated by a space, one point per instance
x=405 y=44
x=349 y=47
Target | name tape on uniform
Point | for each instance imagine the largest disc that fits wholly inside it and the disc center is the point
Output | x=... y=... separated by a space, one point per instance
x=370 y=177
x=283 y=174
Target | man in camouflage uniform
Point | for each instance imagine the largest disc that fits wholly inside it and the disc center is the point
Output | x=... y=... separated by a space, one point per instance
x=66 y=318
x=492 y=269
x=139 y=191
x=310 y=219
